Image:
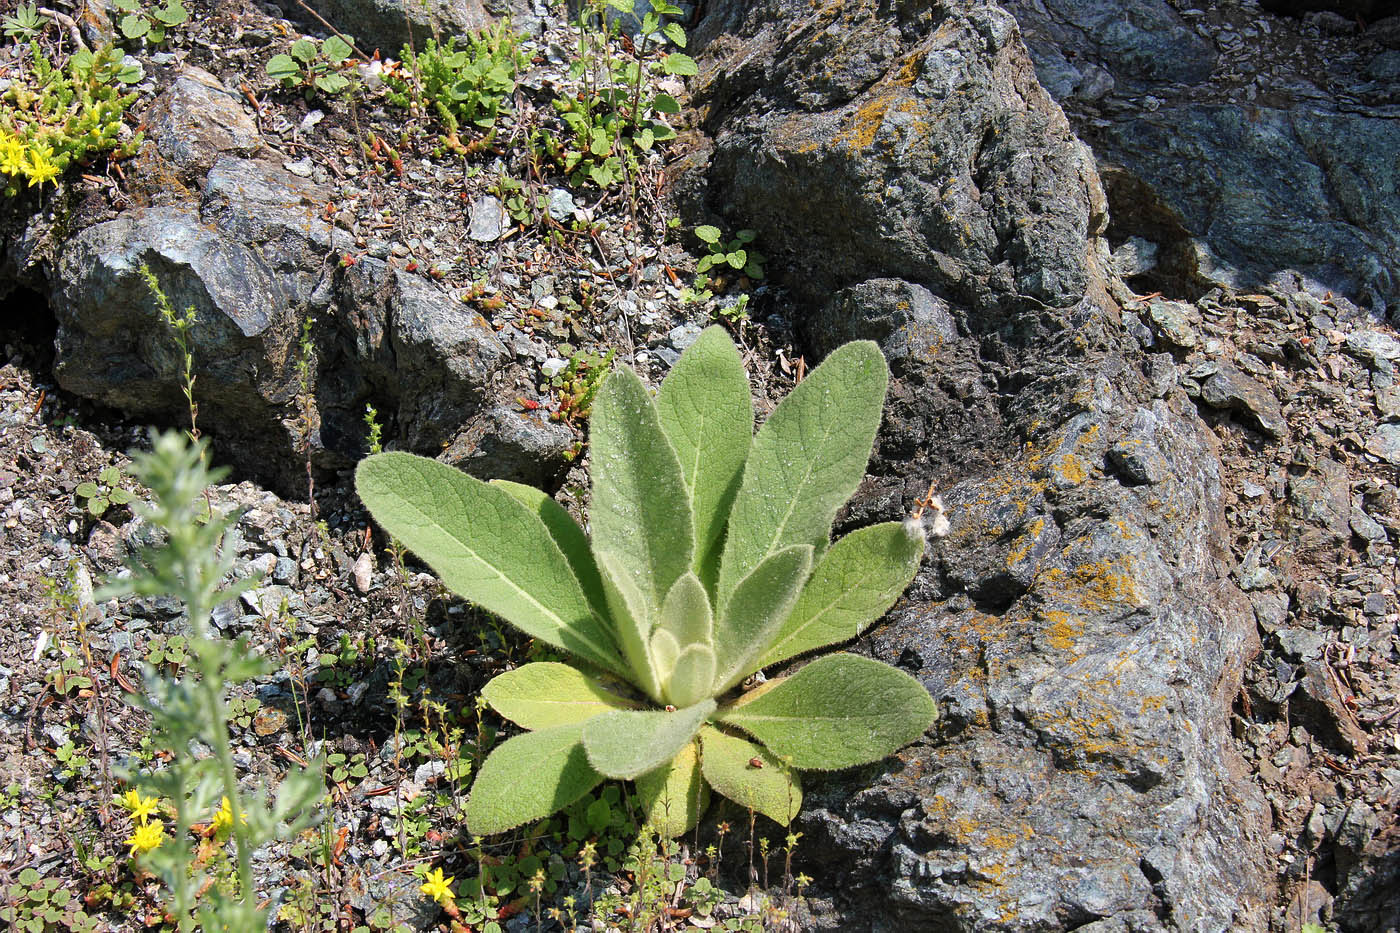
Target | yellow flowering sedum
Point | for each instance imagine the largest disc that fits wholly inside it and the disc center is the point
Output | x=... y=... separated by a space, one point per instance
x=439 y=888
x=145 y=837
x=138 y=806
x=223 y=819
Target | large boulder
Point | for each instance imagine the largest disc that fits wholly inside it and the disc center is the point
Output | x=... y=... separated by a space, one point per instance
x=914 y=143
x=1078 y=625
x=1244 y=144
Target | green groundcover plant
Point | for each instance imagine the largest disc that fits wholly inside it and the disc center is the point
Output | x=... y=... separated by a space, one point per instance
x=710 y=558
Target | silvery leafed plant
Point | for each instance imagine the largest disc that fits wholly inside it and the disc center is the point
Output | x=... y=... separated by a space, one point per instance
x=710 y=558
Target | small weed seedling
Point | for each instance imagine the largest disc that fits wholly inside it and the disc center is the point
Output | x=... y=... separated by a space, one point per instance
x=25 y=23
x=138 y=22
x=314 y=66
x=106 y=491
x=710 y=559
x=736 y=254
x=575 y=386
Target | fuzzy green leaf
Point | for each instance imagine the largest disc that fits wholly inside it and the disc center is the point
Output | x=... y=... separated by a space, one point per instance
x=628 y=743
x=836 y=712
x=853 y=584
x=755 y=613
x=632 y=622
x=692 y=676
x=567 y=534
x=674 y=795
x=86 y=490
x=487 y=547
x=528 y=777
x=709 y=234
x=664 y=652
x=707 y=413
x=641 y=508
x=770 y=787
x=546 y=694
x=686 y=613
x=806 y=461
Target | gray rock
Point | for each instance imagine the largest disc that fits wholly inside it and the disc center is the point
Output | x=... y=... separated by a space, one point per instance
x=1298 y=175
x=560 y=204
x=1228 y=388
x=196 y=121
x=251 y=260
x=488 y=219
x=904 y=319
x=1321 y=498
x=385 y=24
x=1384 y=442
x=1175 y=322
x=503 y=443
x=1373 y=348
x=917 y=147
x=1078 y=631
x=683 y=336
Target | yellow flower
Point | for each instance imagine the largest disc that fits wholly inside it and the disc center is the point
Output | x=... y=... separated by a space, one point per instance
x=12 y=154
x=146 y=837
x=139 y=807
x=40 y=169
x=437 y=887
x=223 y=819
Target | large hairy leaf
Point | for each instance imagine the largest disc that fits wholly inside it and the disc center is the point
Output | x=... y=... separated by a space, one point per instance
x=836 y=712
x=528 y=777
x=567 y=534
x=806 y=461
x=749 y=775
x=674 y=795
x=707 y=412
x=487 y=547
x=641 y=508
x=755 y=613
x=547 y=694
x=632 y=621
x=628 y=743
x=854 y=583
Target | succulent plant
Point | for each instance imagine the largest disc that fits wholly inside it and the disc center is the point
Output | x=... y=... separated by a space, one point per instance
x=709 y=559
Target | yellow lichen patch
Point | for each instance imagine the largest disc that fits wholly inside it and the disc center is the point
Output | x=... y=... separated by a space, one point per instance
x=1072 y=469
x=1063 y=630
x=1153 y=703
x=1022 y=548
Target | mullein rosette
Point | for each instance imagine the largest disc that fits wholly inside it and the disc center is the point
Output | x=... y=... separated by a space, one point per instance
x=710 y=558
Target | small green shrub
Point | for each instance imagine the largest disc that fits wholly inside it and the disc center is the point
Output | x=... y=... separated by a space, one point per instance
x=462 y=87
x=191 y=711
x=710 y=559
x=314 y=66
x=55 y=116
x=617 y=115
x=138 y=22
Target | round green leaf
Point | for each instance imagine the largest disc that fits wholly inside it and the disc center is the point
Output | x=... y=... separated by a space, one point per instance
x=679 y=64
x=134 y=26
x=708 y=233
x=86 y=490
